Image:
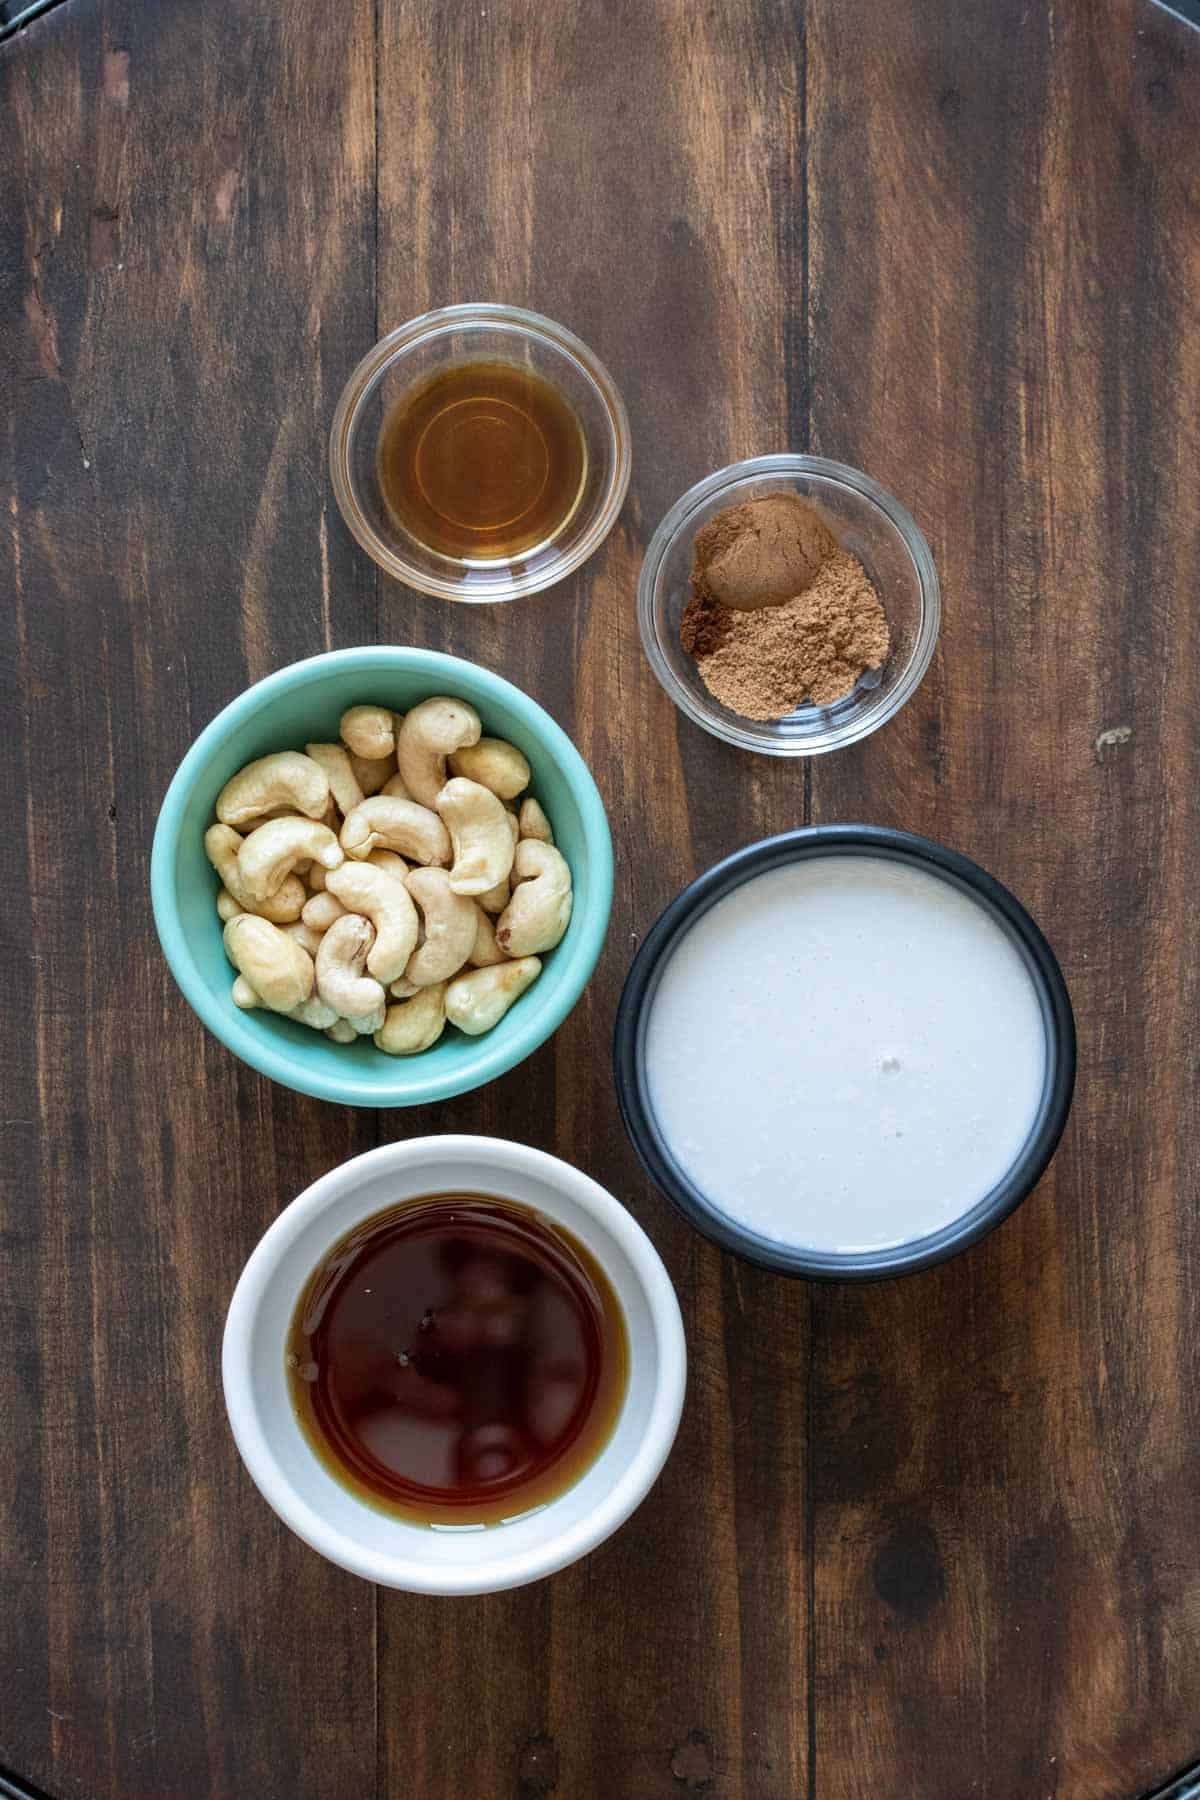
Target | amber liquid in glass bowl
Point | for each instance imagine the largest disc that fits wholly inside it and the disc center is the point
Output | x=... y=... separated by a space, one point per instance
x=484 y=462
x=457 y=1360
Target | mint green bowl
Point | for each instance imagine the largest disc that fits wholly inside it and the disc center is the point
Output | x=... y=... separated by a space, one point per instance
x=303 y=703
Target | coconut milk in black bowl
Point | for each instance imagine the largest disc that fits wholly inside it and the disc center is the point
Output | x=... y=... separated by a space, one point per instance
x=846 y=1052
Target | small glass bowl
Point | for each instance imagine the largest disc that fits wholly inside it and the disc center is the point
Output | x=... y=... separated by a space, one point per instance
x=868 y=522
x=433 y=342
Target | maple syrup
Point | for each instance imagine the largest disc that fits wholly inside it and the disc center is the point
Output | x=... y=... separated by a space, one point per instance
x=484 y=462
x=457 y=1359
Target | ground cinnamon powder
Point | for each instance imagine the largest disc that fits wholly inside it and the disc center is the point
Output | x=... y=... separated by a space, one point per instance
x=760 y=552
x=780 y=615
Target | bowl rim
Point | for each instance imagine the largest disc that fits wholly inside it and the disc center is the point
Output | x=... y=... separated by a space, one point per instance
x=389 y=350
x=896 y=1259
x=750 y=734
x=408 y=1572
x=530 y=1028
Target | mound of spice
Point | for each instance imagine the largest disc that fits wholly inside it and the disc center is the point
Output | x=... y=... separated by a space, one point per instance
x=780 y=614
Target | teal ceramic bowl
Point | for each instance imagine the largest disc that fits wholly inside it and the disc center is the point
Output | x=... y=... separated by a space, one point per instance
x=301 y=704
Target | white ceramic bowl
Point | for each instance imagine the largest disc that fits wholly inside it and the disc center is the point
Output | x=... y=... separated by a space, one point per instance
x=366 y=1540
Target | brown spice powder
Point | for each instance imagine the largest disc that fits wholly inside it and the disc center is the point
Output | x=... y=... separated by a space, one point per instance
x=812 y=647
x=760 y=552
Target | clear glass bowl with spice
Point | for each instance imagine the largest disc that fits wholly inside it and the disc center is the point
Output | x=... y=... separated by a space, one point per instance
x=789 y=605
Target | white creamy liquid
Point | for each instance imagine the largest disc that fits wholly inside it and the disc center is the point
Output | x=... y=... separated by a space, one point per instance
x=845 y=1053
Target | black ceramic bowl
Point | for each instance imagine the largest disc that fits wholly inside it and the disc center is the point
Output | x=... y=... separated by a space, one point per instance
x=845 y=840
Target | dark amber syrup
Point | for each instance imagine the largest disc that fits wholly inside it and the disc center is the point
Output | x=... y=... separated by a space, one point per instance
x=457 y=1359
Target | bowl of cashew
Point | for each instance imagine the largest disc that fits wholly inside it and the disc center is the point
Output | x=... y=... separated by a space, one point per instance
x=382 y=876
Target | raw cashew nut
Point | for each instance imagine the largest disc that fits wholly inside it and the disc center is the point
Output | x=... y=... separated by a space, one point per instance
x=480 y=833
x=480 y=998
x=341 y=960
x=533 y=822
x=414 y=1025
x=279 y=971
x=388 y=823
x=372 y=772
x=497 y=898
x=320 y=912
x=450 y=927
x=285 y=779
x=325 y=920
x=368 y=731
x=485 y=951
x=494 y=764
x=540 y=909
x=316 y=1013
x=269 y=854
x=221 y=846
x=304 y=935
x=339 y=772
x=384 y=899
x=430 y=733
x=370 y=1022
x=388 y=859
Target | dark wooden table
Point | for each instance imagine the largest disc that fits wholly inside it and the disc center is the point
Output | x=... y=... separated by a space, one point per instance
x=931 y=1540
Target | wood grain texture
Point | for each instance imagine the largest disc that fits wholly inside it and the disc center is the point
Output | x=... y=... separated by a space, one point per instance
x=188 y=220
x=677 y=1655
x=1006 y=1452
x=934 y=1537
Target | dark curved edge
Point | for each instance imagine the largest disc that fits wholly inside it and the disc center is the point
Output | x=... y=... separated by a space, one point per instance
x=1188 y=11
x=817 y=840
x=13 y=1788
x=1184 y=1786
x=8 y=28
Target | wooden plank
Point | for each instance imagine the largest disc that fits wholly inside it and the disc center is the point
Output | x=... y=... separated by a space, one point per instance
x=1005 y=276
x=631 y=172
x=186 y=257
x=984 y=1554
